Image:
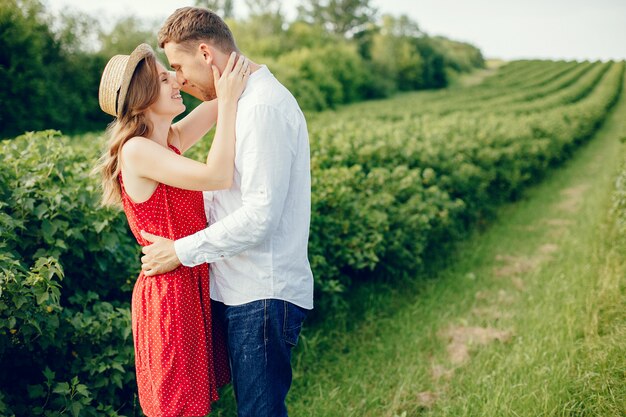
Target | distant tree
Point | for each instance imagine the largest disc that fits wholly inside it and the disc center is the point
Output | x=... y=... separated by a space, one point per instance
x=394 y=52
x=301 y=34
x=225 y=8
x=434 y=74
x=460 y=56
x=126 y=34
x=402 y=27
x=262 y=33
x=30 y=58
x=343 y=17
x=263 y=7
x=77 y=31
x=54 y=77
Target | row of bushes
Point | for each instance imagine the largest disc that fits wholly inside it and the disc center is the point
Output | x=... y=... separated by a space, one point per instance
x=387 y=194
x=414 y=189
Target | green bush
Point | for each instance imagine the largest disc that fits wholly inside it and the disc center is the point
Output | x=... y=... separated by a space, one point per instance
x=336 y=71
x=66 y=271
x=56 y=204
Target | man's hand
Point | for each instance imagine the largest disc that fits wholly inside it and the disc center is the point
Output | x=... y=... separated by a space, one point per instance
x=159 y=257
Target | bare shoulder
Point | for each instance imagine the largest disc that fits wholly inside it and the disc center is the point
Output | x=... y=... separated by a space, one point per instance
x=136 y=147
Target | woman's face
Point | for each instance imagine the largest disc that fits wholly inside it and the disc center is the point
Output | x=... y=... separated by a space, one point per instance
x=170 y=102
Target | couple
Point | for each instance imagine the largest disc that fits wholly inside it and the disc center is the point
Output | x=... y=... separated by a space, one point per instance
x=261 y=285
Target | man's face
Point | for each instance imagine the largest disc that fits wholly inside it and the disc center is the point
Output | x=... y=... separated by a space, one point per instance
x=193 y=68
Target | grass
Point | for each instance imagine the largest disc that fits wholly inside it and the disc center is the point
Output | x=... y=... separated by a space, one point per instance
x=526 y=319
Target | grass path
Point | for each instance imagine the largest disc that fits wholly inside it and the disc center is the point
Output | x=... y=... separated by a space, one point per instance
x=526 y=319
x=477 y=76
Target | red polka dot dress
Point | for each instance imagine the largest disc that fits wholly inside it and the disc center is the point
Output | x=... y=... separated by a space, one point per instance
x=180 y=354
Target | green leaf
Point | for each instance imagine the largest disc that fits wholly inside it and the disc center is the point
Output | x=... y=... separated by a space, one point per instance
x=82 y=390
x=116 y=379
x=99 y=226
x=36 y=391
x=62 y=388
x=48 y=230
x=42 y=297
x=19 y=301
x=49 y=374
x=75 y=408
x=35 y=325
x=40 y=210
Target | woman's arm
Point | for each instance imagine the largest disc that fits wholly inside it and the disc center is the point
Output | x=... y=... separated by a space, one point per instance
x=196 y=124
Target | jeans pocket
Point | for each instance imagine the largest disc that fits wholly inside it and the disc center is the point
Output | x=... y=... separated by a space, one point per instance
x=294 y=317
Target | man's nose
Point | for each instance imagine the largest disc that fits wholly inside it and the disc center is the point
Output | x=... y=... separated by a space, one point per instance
x=178 y=79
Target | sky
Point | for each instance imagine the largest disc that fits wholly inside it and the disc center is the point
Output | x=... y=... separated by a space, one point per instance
x=505 y=29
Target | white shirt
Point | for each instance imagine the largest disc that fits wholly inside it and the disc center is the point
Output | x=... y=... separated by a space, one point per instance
x=259 y=228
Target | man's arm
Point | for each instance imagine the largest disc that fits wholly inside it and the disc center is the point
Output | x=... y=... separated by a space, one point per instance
x=266 y=150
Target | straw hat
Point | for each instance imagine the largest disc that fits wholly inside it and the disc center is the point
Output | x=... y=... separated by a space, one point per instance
x=116 y=79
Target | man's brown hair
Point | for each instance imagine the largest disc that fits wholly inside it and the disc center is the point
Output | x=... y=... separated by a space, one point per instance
x=189 y=24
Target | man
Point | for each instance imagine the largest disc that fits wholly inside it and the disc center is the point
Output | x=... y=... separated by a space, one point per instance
x=261 y=280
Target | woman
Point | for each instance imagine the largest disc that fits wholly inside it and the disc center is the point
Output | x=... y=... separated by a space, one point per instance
x=179 y=364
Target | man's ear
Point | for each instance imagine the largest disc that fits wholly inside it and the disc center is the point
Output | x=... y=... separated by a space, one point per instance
x=206 y=52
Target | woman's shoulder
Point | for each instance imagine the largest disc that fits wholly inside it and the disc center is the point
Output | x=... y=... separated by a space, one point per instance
x=136 y=147
x=137 y=141
x=142 y=150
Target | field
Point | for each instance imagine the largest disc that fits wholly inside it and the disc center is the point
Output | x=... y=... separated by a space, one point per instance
x=472 y=221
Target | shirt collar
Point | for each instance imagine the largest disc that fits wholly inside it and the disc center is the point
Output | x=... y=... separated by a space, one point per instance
x=255 y=78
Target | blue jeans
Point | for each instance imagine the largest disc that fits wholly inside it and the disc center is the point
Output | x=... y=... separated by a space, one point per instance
x=261 y=335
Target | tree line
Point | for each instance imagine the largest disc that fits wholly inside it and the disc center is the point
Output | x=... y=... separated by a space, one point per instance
x=333 y=52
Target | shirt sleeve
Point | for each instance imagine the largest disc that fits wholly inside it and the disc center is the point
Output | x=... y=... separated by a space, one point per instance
x=266 y=153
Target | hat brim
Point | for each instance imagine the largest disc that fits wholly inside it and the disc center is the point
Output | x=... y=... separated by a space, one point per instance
x=116 y=78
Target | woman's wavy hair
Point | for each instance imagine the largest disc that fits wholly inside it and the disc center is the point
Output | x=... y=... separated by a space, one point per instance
x=143 y=92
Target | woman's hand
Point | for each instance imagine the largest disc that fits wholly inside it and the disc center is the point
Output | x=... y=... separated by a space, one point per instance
x=232 y=82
